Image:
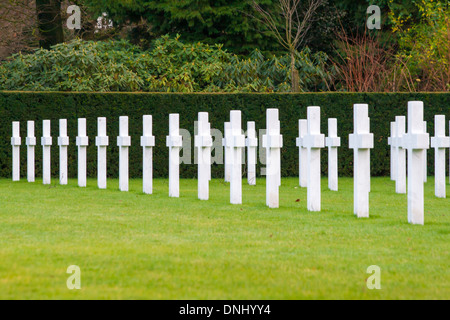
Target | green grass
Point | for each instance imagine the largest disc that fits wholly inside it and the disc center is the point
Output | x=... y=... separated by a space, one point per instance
x=130 y=245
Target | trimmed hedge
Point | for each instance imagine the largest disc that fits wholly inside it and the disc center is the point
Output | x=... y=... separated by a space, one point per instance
x=23 y=106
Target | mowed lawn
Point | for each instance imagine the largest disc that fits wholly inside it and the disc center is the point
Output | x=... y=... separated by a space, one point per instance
x=135 y=246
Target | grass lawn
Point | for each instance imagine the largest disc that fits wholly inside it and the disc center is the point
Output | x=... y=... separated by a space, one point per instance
x=131 y=245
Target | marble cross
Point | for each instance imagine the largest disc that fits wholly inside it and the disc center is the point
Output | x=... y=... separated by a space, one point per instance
x=252 y=144
x=82 y=142
x=399 y=154
x=16 y=142
x=175 y=142
x=440 y=142
x=124 y=143
x=333 y=142
x=416 y=141
x=46 y=142
x=203 y=142
x=227 y=133
x=102 y=143
x=391 y=143
x=147 y=144
x=31 y=145
x=63 y=143
x=236 y=144
x=302 y=153
x=361 y=141
x=425 y=160
x=273 y=142
x=313 y=141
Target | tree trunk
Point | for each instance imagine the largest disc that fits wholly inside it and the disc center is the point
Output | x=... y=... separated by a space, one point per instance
x=49 y=22
x=295 y=80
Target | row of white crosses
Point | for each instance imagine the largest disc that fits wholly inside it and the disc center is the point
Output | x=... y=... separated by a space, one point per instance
x=416 y=142
x=439 y=142
x=82 y=142
x=234 y=142
x=310 y=141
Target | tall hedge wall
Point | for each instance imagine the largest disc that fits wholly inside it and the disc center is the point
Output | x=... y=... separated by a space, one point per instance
x=22 y=106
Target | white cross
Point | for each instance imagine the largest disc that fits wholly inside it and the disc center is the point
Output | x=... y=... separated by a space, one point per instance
x=102 y=142
x=361 y=141
x=440 y=142
x=391 y=143
x=302 y=153
x=175 y=142
x=203 y=141
x=227 y=128
x=236 y=143
x=16 y=142
x=425 y=159
x=147 y=144
x=273 y=142
x=416 y=141
x=252 y=144
x=31 y=144
x=82 y=141
x=46 y=142
x=333 y=142
x=399 y=154
x=124 y=143
x=63 y=143
x=313 y=141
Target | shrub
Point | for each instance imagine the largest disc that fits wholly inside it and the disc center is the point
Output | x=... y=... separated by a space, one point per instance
x=169 y=66
x=425 y=45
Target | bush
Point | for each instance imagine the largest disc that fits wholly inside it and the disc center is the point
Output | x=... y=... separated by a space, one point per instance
x=22 y=106
x=425 y=45
x=170 y=66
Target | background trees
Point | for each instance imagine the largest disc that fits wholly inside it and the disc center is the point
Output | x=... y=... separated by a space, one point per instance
x=410 y=53
x=49 y=22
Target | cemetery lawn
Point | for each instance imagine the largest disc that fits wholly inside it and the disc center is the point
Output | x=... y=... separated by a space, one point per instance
x=135 y=246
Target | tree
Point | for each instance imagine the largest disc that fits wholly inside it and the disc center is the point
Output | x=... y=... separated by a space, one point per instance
x=210 y=21
x=17 y=26
x=424 y=41
x=289 y=25
x=49 y=22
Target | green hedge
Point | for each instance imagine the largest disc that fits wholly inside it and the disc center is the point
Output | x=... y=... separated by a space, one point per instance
x=22 y=106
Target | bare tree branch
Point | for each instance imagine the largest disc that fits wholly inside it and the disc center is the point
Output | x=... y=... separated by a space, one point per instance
x=289 y=25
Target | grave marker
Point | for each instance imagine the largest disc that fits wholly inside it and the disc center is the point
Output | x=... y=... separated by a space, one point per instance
x=16 y=142
x=236 y=143
x=82 y=142
x=303 y=153
x=175 y=142
x=31 y=144
x=313 y=141
x=63 y=143
x=102 y=142
x=440 y=142
x=391 y=143
x=227 y=129
x=361 y=141
x=400 y=155
x=123 y=142
x=46 y=142
x=425 y=160
x=203 y=143
x=333 y=142
x=147 y=143
x=252 y=144
x=416 y=141
x=273 y=142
